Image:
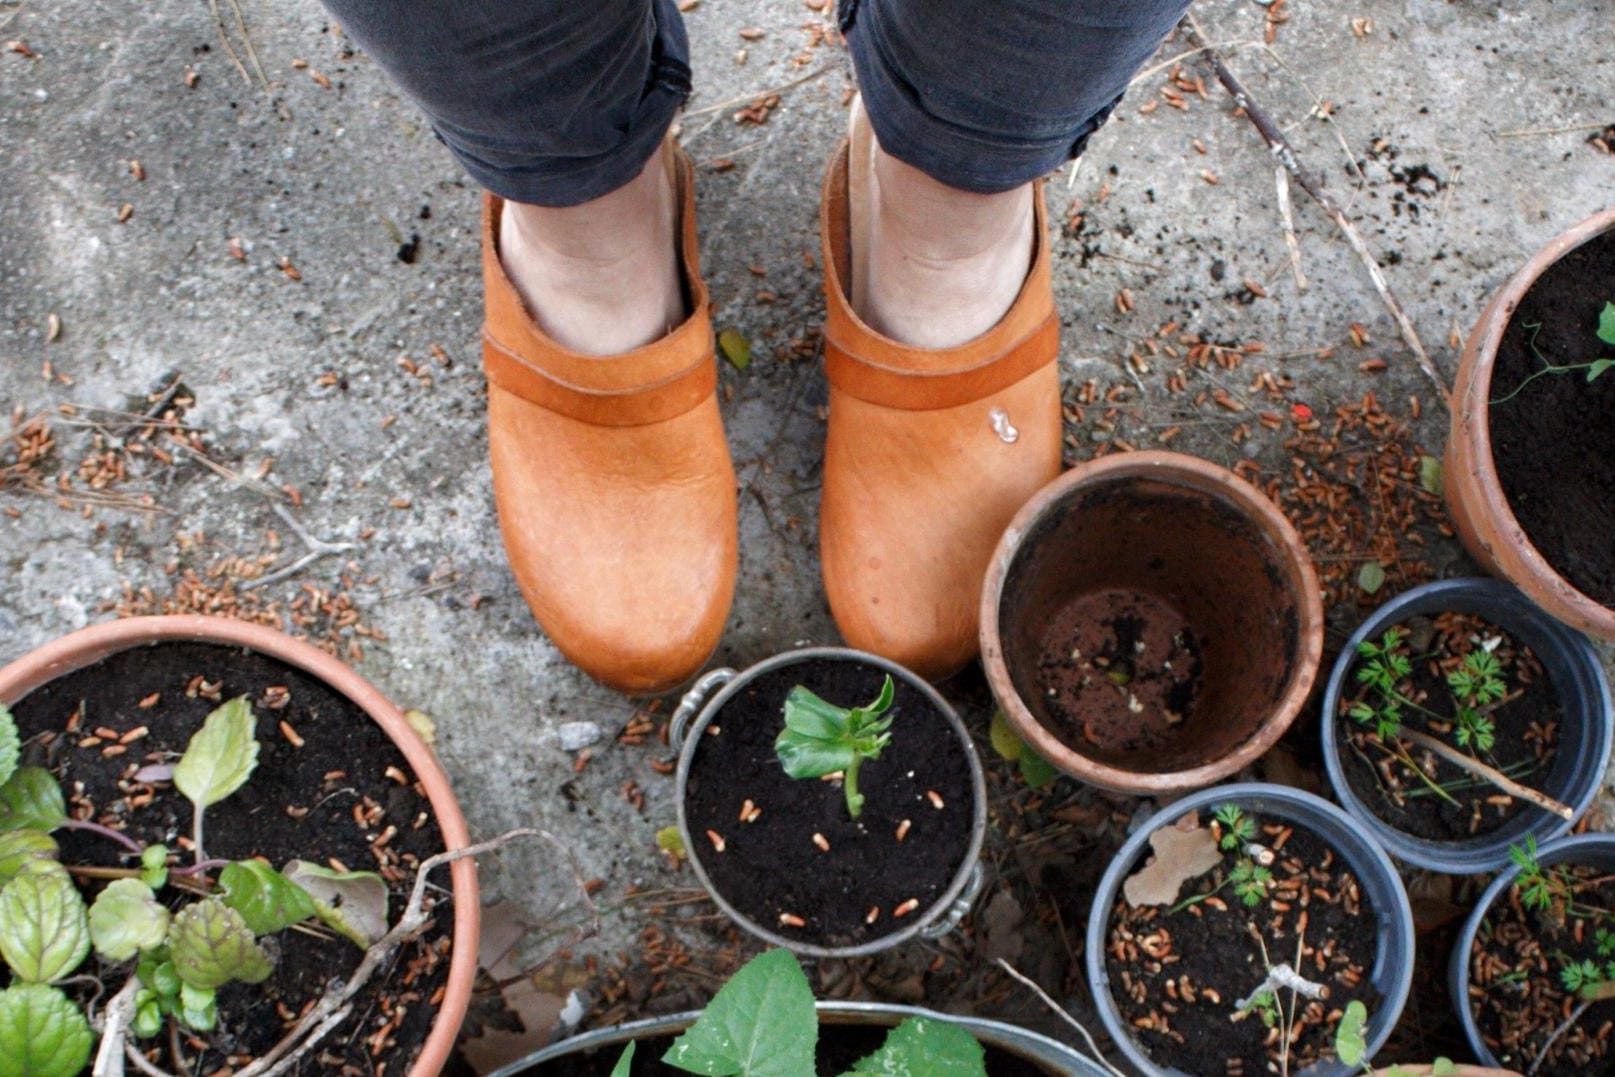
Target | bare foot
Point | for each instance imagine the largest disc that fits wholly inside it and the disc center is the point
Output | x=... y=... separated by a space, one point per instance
x=939 y=266
x=601 y=278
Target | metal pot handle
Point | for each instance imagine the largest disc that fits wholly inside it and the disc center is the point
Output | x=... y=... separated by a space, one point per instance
x=960 y=907
x=692 y=702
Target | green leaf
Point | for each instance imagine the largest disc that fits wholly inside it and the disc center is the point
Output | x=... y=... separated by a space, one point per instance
x=1371 y=577
x=198 y=1007
x=32 y=799
x=159 y=976
x=924 y=1045
x=1443 y=1067
x=1006 y=742
x=44 y=933
x=19 y=848
x=127 y=919
x=265 y=898
x=42 y=1034
x=1430 y=474
x=1350 y=1045
x=221 y=755
x=10 y=745
x=1606 y=324
x=670 y=840
x=148 y=1015
x=211 y=945
x=736 y=348
x=1598 y=367
x=154 y=866
x=625 y=1064
x=760 y=1024
x=804 y=758
x=1036 y=771
x=352 y=902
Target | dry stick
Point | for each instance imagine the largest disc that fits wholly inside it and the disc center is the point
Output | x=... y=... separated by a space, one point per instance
x=1551 y=130
x=1281 y=180
x=246 y=41
x=1286 y=155
x=115 y=1018
x=1575 y=1015
x=317 y=548
x=749 y=98
x=1060 y=1011
x=224 y=39
x=1481 y=770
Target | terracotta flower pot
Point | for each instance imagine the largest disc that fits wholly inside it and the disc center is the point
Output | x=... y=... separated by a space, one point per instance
x=90 y=645
x=1229 y=600
x=1486 y=524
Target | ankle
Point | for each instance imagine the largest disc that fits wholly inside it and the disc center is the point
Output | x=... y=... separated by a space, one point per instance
x=601 y=278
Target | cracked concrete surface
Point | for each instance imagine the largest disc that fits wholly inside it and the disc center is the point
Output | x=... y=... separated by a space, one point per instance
x=1468 y=120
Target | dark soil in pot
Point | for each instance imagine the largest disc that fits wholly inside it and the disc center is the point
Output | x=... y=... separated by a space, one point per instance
x=343 y=796
x=1552 y=443
x=772 y=868
x=1210 y=947
x=1524 y=726
x=1119 y=670
x=840 y=1048
x=1517 y=993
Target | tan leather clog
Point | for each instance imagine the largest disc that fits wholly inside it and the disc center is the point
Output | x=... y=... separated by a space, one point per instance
x=615 y=490
x=928 y=456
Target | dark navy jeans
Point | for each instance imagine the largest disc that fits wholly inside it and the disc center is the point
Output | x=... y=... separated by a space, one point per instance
x=557 y=102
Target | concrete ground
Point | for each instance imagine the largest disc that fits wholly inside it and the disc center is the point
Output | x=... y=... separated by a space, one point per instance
x=259 y=261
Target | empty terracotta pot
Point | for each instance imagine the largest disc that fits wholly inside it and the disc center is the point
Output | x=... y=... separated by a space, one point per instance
x=1485 y=522
x=1150 y=622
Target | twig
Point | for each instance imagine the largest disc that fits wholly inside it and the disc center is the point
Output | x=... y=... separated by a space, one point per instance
x=1481 y=770
x=246 y=41
x=1551 y=130
x=1282 y=975
x=1281 y=180
x=317 y=548
x=1575 y=1015
x=1285 y=153
x=747 y=99
x=132 y=1053
x=224 y=39
x=1060 y=1011
x=115 y=1018
x=9 y=18
x=267 y=492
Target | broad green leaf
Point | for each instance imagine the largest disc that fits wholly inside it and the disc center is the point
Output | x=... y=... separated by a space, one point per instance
x=127 y=919
x=625 y=1064
x=1006 y=742
x=803 y=758
x=148 y=1014
x=352 y=902
x=1036 y=771
x=1350 y=1045
x=265 y=898
x=198 y=1007
x=1430 y=474
x=10 y=745
x=1371 y=577
x=20 y=847
x=32 y=799
x=211 y=945
x=154 y=866
x=736 y=348
x=670 y=840
x=220 y=756
x=807 y=714
x=44 y=933
x=924 y=1045
x=159 y=975
x=760 y=1024
x=1598 y=367
x=42 y=1034
x=1606 y=324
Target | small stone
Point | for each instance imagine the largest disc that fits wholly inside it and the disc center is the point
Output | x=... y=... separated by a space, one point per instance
x=578 y=735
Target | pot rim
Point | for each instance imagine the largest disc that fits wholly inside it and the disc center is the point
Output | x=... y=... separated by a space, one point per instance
x=1295 y=804
x=1001 y=1034
x=1508 y=541
x=978 y=785
x=1470 y=855
x=1270 y=522
x=87 y=646
x=1549 y=852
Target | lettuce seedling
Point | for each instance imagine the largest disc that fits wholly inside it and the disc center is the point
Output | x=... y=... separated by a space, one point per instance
x=821 y=738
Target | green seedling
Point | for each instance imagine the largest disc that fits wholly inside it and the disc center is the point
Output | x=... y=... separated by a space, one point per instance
x=762 y=1023
x=1237 y=829
x=1351 y=1045
x=176 y=957
x=1265 y=1004
x=1594 y=368
x=1552 y=891
x=1235 y=832
x=1250 y=881
x=821 y=738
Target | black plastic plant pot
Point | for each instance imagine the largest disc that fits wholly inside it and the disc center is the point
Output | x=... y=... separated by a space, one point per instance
x=1595 y=851
x=783 y=857
x=1584 y=726
x=1011 y=1051
x=1389 y=976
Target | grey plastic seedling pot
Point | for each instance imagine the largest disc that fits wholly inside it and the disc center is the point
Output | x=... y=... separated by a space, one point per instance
x=1578 y=680
x=700 y=707
x=1392 y=972
x=1054 y=1058
x=1592 y=850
